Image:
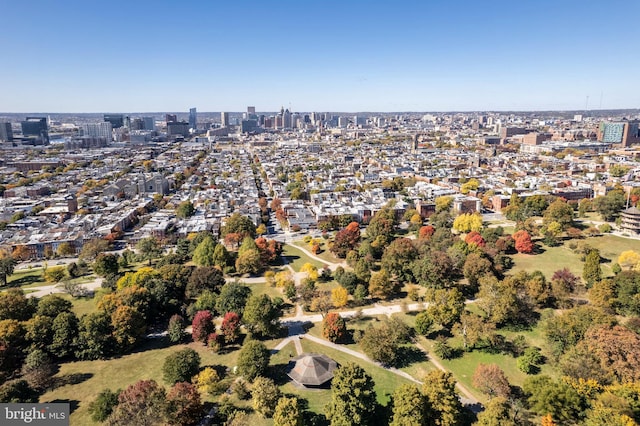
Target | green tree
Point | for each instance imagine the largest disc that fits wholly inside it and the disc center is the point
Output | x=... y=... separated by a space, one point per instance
x=591 y=272
x=439 y=388
x=287 y=412
x=382 y=226
x=445 y=306
x=261 y=316
x=7 y=265
x=102 y=407
x=249 y=262
x=253 y=359
x=92 y=248
x=148 y=249
x=497 y=412
x=221 y=256
x=239 y=224
x=202 y=279
x=95 y=340
x=15 y=305
x=175 y=330
x=185 y=209
x=204 y=253
x=38 y=369
x=410 y=407
x=17 y=391
x=561 y=212
x=181 y=366
x=52 y=305
x=264 y=396
x=610 y=205
x=559 y=399
x=106 y=264
x=233 y=298
x=65 y=333
x=380 y=285
x=398 y=257
x=353 y=398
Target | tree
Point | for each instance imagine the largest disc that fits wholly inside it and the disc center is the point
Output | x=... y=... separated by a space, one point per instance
x=475 y=267
x=398 y=257
x=424 y=322
x=310 y=270
x=380 y=285
x=410 y=407
x=175 y=330
x=261 y=316
x=523 y=243
x=249 y=262
x=142 y=403
x=591 y=272
x=334 y=328
x=491 y=380
x=220 y=256
x=65 y=333
x=610 y=205
x=627 y=292
x=66 y=249
x=496 y=413
x=207 y=381
x=203 y=255
x=529 y=362
x=345 y=240
x=382 y=226
x=128 y=325
x=353 y=398
x=202 y=326
x=382 y=343
x=233 y=298
x=7 y=265
x=287 y=412
x=106 y=264
x=472 y=328
x=443 y=203
x=239 y=224
x=628 y=259
x=183 y=404
x=339 y=296
x=17 y=391
x=468 y=222
x=15 y=305
x=445 y=306
x=230 y=327
x=185 y=209
x=204 y=278
x=95 y=340
x=475 y=238
x=439 y=388
x=102 y=407
x=253 y=359
x=264 y=396
x=92 y=248
x=55 y=274
x=148 y=249
x=52 y=305
x=426 y=232
x=567 y=329
x=558 y=399
x=435 y=269
x=180 y=366
x=617 y=349
x=560 y=212
x=38 y=369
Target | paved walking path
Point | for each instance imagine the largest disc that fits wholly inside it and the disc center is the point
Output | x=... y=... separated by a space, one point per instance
x=59 y=288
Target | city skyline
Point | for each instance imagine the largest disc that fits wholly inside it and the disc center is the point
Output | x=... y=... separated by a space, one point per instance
x=350 y=57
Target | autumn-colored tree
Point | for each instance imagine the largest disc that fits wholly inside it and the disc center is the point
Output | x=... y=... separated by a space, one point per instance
x=230 y=327
x=334 y=328
x=21 y=253
x=207 y=381
x=474 y=237
x=310 y=270
x=345 y=240
x=202 y=326
x=618 y=350
x=591 y=272
x=426 y=232
x=129 y=326
x=269 y=249
x=491 y=380
x=475 y=267
x=472 y=328
x=339 y=296
x=380 y=285
x=439 y=388
x=523 y=243
x=264 y=396
x=398 y=257
x=143 y=402
x=628 y=259
x=353 y=398
x=183 y=404
x=468 y=222
x=410 y=406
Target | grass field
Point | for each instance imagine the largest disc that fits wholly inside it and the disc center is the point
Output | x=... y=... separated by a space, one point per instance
x=324 y=254
x=296 y=258
x=26 y=278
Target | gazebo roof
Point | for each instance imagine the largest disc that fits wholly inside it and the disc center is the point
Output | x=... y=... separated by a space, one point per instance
x=312 y=369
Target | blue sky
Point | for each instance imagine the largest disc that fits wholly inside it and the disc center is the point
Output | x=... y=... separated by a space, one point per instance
x=349 y=55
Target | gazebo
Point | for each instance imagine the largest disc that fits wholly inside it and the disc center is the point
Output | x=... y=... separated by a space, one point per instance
x=312 y=370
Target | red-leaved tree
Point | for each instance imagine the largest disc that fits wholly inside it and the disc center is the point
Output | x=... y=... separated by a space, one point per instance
x=523 y=243
x=474 y=237
x=202 y=326
x=426 y=232
x=346 y=239
x=333 y=327
x=184 y=404
x=230 y=327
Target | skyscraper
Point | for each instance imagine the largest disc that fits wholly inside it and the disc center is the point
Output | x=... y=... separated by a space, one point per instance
x=251 y=110
x=6 y=134
x=224 y=119
x=171 y=118
x=193 y=118
x=97 y=130
x=149 y=123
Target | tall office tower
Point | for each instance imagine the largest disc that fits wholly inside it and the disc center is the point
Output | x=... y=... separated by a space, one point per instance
x=98 y=130
x=251 y=110
x=136 y=124
x=127 y=122
x=193 y=118
x=224 y=119
x=278 y=122
x=36 y=126
x=171 y=118
x=6 y=134
x=116 y=120
x=149 y=123
x=286 y=119
x=343 y=121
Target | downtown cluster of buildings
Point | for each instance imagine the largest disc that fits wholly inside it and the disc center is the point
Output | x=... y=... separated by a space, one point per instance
x=99 y=176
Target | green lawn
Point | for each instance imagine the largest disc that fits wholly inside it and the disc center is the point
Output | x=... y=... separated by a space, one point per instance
x=296 y=258
x=87 y=378
x=26 y=278
x=324 y=254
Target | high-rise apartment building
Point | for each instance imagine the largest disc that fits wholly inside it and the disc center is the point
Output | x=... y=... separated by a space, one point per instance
x=116 y=120
x=251 y=110
x=224 y=119
x=171 y=118
x=193 y=118
x=149 y=123
x=97 y=130
x=6 y=133
x=624 y=133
